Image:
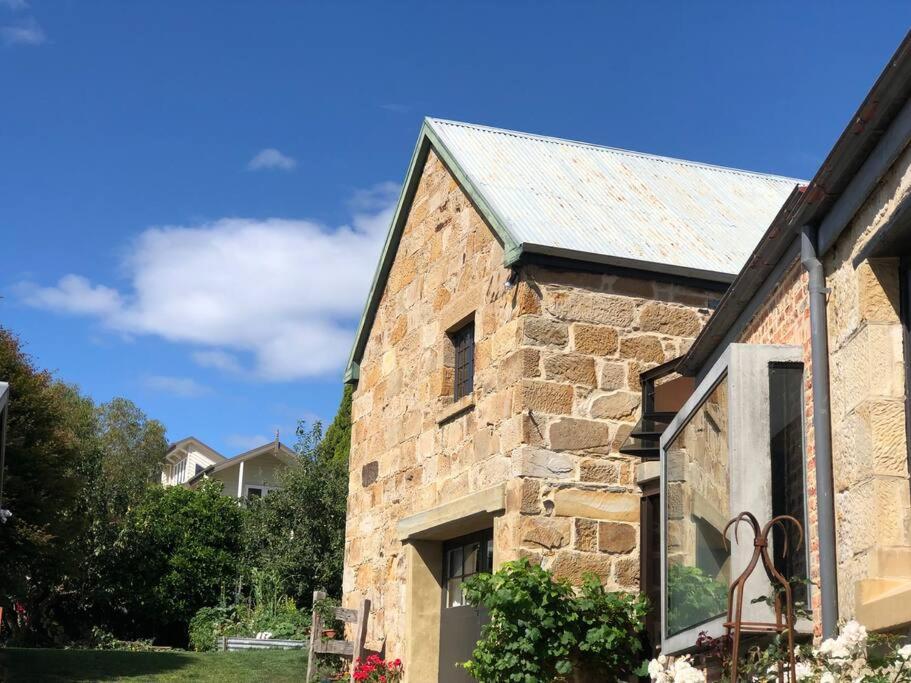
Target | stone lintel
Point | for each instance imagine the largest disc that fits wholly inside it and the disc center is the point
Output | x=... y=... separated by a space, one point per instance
x=455 y=518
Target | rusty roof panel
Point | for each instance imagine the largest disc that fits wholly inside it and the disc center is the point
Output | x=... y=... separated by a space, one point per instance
x=577 y=197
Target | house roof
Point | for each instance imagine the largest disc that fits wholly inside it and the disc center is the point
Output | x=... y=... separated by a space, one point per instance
x=873 y=138
x=640 y=210
x=275 y=448
x=572 y=200
x=193 y=441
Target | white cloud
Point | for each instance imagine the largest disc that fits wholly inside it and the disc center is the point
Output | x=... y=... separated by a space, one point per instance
x=27 y=32
x=14 y=4
x=220 y=360
x=271 y=159
x=275 y=298
x=73 y=294
x=184 y=387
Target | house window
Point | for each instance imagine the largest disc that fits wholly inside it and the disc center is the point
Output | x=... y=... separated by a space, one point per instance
x=464 y=557
x=258 y=491
x=786 y=451
x=463 y=344
x=736 y=445
x=697 y=509
x=180 y=469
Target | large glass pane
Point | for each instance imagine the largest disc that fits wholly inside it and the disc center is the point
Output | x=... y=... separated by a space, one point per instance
x=786 y=449
x=697 y=502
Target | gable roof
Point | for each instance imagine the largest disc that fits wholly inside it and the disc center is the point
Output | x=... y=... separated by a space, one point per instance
x=274 y=448
x=200 y=446
x=566 y=199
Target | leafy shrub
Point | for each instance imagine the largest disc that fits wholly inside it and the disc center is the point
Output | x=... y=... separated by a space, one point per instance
x=280 y=617
x=540 y=629
x=176 y=552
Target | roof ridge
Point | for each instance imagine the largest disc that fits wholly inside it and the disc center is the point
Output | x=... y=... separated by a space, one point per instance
x=616 y=150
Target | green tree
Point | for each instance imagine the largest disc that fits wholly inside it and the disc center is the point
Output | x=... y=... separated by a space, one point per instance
x=129 y=449
x=178 y=551
x=50 y=444
x=298 y=532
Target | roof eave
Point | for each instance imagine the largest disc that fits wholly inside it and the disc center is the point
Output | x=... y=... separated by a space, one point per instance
x=626 y=263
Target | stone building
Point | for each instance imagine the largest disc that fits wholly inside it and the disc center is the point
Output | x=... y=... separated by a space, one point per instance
x=525 y=284
x=810 y=345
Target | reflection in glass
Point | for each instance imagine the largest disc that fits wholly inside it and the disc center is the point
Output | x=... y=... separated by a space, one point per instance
x=697 y=503
x=454 y=593
x=471 y=558
x=455 y=562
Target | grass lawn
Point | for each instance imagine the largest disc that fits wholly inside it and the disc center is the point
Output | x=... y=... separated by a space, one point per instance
x=17 y=664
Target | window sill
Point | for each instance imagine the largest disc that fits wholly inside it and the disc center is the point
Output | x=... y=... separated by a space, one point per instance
x=455 y=409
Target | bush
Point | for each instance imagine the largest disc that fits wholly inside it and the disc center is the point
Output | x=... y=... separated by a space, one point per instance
x=540 y=629
x=177 y=551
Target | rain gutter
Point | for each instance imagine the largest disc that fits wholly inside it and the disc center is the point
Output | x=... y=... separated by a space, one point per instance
x=822 y=429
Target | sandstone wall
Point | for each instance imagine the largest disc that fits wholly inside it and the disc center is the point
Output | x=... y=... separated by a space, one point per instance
x=868 y=388
x=557 y=361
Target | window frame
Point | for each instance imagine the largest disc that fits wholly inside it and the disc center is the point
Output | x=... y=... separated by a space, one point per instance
x=462 y=339
x=484 y=563
x=266 y=490
x=746 y=369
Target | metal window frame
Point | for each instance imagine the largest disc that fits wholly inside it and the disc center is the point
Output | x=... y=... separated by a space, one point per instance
x=463 y=366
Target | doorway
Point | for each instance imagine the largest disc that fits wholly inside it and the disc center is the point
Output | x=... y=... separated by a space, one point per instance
x=460 y=623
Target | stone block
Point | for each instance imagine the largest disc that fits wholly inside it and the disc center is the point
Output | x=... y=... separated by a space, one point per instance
x=523 y=496
x=585 y=534
x=676 y=321
x=542 y=464
x=612 y=376
x=572 y=368
x=614 y=537
x=597 y=340
x=575 y=434
x=544 y=332
x=603 y=309
x=543 y=397
x=601 y=471
x=527 y=300
x=595 y=504
x=573 y=566
x=626 y=572
x=545 y=532
x=620 y=405
x=878 y=290
x=642 y=347
x=518 y=365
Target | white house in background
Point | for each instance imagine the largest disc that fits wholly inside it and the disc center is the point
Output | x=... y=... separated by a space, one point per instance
x=249 y=475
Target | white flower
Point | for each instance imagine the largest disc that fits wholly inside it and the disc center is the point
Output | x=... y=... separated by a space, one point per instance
x=803 y=671
x=904 y=652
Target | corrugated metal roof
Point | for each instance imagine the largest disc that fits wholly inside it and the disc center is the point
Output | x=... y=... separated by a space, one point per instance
x=560 y=196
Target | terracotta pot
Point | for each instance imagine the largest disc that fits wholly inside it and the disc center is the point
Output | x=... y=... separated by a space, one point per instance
x=329 y=633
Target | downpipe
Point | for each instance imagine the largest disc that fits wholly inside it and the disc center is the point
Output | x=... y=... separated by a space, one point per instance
x=822 y=429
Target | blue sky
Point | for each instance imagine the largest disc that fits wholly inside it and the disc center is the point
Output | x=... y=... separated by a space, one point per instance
x=192 y=194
